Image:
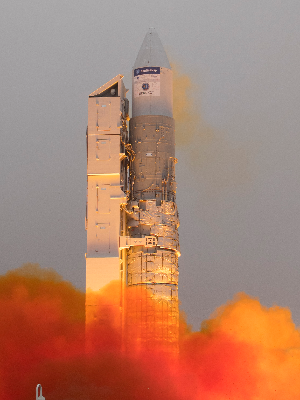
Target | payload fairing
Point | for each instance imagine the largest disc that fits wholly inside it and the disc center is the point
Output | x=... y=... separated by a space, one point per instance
x=132 y=218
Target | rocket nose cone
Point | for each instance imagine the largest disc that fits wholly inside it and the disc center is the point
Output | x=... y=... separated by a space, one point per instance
x=152 y=53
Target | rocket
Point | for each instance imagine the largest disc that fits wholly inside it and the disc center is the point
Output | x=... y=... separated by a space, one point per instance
x=132 y=218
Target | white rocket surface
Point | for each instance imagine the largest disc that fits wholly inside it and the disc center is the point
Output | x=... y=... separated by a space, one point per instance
x=132 y=218
x=106 y=192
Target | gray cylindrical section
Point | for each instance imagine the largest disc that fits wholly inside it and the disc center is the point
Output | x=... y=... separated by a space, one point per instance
x=153 y=141
x=152 y=215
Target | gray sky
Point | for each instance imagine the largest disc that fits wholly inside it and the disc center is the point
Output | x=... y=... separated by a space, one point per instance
x=238 y=178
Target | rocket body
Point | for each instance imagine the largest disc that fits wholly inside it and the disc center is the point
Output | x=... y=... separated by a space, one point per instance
x=152 y=205
x=147 y=213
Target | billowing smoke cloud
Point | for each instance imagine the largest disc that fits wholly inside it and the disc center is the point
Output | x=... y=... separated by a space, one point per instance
x=244 y=352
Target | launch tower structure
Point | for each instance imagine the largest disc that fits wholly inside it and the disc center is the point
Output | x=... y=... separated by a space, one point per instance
x=132 y=218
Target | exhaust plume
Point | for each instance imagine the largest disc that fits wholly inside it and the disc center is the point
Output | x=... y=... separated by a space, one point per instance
x=245 y=351
x=219 y=164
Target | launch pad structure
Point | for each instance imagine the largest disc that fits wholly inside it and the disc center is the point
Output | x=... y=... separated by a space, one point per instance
x=132 y=218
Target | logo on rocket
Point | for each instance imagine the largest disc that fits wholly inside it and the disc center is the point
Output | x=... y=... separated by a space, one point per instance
x=145 y=86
